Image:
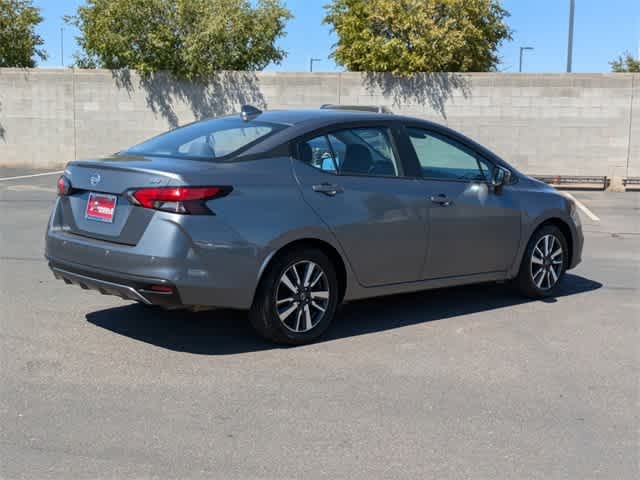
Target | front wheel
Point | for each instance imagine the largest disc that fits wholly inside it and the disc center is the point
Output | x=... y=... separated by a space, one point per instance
x=544 y=263
x=297 y=298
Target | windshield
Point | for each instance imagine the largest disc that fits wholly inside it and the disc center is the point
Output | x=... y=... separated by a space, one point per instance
x=206 y=140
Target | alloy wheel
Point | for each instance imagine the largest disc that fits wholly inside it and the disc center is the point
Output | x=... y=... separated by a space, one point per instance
x=302 y=296
x=547 y=261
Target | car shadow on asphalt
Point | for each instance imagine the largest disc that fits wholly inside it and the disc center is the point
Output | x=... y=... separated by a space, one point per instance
x=223 y=332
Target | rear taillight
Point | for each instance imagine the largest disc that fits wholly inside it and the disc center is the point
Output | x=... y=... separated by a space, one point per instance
x=161 y=289
x=187 y=200
x=63 y=185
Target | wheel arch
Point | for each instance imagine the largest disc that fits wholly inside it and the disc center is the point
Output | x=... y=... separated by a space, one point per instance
x=563 y=226
x=329 y=250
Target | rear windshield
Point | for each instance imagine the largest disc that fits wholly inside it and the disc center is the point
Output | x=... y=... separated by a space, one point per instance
x=207 y=140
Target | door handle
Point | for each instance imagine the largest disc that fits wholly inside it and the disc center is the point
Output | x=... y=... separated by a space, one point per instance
x=328 y=189
x=442 y=200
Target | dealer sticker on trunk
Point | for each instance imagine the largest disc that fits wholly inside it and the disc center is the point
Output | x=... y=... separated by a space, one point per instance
x=100 y=207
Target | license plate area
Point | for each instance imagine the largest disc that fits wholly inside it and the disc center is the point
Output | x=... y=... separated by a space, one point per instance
x=101 y=207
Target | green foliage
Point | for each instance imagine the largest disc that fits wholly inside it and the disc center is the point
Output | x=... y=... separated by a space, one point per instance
x=410 y=36
x=626 y=64
x=19 y=43
x=188 y=38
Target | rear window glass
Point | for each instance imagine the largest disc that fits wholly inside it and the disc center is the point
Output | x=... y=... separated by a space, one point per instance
x=207 y=140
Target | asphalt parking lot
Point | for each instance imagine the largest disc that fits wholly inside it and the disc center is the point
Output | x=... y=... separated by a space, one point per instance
x=467 y=383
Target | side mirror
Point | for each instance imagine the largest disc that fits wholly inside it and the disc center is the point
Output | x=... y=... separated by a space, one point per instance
x=501 y=177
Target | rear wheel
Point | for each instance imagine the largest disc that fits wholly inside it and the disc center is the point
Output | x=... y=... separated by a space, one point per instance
x=544 y=263
x=297 y=298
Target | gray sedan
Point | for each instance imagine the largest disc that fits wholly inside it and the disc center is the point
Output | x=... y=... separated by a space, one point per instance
x=287 y=214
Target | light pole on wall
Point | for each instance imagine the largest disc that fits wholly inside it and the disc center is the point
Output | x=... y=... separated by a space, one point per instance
x=62 y=46
x=522 y=49
x=311 y=60
x=572 y=11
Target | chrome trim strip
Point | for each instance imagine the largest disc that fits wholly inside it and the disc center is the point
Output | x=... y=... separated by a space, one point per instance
x=153 y=292
x=133 y=294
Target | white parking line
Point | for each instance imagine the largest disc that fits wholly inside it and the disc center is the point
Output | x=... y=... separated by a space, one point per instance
x=583 y=207
x=32 y=175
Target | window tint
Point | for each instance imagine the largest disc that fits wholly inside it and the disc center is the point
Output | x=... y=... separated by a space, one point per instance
x=443 y=158
x=339 y=148
x=317 y=153
x=206 y=140
x=356 y=151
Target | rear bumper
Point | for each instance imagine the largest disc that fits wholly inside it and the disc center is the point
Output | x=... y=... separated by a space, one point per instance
x=123 y=286
x=202 y=275
x=209 y=263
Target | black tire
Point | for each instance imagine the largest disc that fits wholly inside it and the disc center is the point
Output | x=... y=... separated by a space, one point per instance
x=264 y=314
x=536 y=280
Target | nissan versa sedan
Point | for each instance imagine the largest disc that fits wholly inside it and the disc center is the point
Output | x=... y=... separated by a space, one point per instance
x=287 y=214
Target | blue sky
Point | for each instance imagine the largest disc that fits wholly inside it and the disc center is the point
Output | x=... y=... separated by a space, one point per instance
x=604 y=29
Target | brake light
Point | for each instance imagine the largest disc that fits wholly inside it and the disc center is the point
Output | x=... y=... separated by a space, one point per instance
x=161 y=289
x=187 y=200
x=63 y=185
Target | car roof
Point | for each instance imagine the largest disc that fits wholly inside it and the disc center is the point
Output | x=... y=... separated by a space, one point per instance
x=321 y=115
x=301 y=121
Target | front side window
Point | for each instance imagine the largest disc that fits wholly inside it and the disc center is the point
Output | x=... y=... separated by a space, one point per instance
x=354 y=151
x=443 y=158
x=206 y=140
x=317 y=153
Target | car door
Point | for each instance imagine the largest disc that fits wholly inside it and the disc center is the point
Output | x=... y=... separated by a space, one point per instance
x=473 y=228
x=353 y=179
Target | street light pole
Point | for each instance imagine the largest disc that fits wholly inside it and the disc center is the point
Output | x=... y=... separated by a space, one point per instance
x=572 y=12
x=311 y=60
x=62 y=46
x=522 y=49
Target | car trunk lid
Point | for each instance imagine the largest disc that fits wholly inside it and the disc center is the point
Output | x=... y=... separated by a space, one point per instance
x=105 y=182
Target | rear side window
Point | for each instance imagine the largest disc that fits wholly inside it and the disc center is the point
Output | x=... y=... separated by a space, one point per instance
x=210 y=140
x=443 y=158
x=354 y=151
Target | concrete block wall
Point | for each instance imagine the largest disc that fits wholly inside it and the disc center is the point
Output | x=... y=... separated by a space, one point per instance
x=577 y=124
x=36 y=118
x=634 y=131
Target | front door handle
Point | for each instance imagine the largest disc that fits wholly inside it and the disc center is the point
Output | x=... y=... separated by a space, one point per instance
x=442 y=200
x=328 y=189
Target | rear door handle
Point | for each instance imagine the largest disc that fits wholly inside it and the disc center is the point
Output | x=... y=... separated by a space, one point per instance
x=328 y=189
x=442 y=200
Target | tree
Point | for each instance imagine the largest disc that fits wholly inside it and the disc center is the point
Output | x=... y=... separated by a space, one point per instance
x=19 y=43
x=410 y=36
x=188 y=38
x=626 y=64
